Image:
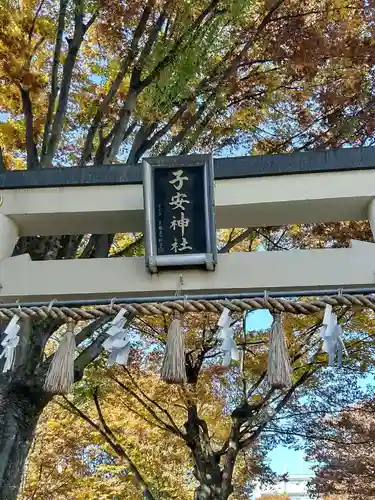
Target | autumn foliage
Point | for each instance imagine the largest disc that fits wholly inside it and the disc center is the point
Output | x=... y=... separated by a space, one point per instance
x=77 y=86
x=87 y=82
x=347 y=460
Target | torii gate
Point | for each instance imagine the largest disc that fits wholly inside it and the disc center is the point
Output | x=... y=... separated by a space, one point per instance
x=328 y=186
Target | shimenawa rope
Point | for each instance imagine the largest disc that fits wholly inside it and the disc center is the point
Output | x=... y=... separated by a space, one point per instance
x=192 y=306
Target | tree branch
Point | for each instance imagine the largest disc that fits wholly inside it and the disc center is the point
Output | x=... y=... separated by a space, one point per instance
x=230 y=460
x=275 y=244
x=142 y=417
x=69 y=246
x=135 y=79
x=121 y=124
x=163 y=410
x=192 y=121
x=101 y=417
x=246 y=442
x=171 y=428
x=74 y=46
x=128 y=249
x=2 y=163
x=323 y=438
x=84 y=334
x=267 y=18
x=232 y=243
x=192 y=33
x=147 y=144
x=143 y=133
x=92 y=19
x=218 y=74
x=54 y=76
x=125 y=65
x=32 y=154
x=32 y=27
x=116 y=447
x=193 y=138
x=90 y=329
x=98 y=246
x=136 y=87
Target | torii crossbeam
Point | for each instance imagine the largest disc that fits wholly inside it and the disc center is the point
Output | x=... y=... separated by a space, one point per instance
x=336 y=185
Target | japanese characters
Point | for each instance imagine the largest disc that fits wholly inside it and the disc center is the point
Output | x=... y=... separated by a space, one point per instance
x=180 y=222
x=179 y=226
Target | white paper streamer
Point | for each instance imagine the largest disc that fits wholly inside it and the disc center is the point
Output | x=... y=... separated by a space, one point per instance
x=226 y=334
x=331 y=333
x=10 y=343
x=117 y=344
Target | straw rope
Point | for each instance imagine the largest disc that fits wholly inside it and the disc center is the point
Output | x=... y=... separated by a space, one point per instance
x=193 y=306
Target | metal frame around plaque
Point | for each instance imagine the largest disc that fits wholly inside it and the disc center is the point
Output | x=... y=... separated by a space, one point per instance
x=155 y=261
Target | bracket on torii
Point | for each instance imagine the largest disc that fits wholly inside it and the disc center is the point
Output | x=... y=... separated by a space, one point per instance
x=298 y=188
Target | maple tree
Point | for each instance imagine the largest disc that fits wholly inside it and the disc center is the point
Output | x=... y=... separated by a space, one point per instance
x=71 y=460
x=90 y=81
x=346 y=462
x=133 y=413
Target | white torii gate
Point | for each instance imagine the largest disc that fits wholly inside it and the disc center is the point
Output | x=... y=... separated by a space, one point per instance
x=332 y=194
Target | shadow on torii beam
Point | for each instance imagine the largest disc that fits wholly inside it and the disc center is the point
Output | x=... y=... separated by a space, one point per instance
x=237 y=272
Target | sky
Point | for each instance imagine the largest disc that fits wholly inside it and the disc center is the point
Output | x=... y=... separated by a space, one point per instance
x=282 y=460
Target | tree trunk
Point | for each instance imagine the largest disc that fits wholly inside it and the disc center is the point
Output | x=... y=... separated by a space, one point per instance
x=22 y=400
x=215 y=480
x=208 y=492
x=207 y=469
x=19 y=415
x=211 y=485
